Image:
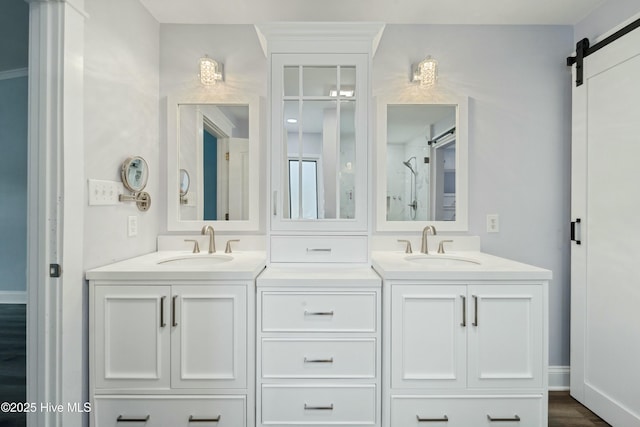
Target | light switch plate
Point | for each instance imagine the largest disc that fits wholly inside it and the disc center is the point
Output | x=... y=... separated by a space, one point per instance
x=104 y=192
x=493 y=223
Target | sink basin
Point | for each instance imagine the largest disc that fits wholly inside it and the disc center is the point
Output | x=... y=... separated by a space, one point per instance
x=196 y=260
x=441 y=260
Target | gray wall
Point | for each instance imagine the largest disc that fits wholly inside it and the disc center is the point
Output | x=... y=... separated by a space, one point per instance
x=519 y=118
x=121 y=111
x=519 y=136
x=13 y=184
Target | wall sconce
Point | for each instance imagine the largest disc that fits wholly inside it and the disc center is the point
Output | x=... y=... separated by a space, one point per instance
x=426 y=72
x=210 y=71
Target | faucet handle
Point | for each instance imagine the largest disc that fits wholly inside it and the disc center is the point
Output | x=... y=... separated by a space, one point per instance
x=441 y=245
x=407 y=249
x=227 y=249
x=196 y=247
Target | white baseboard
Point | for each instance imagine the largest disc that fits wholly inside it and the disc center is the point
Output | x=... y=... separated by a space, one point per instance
x=13 y=297
x=559 y=378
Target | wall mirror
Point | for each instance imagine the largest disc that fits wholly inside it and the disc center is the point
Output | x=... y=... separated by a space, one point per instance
x=422 y=165
x=215 y=144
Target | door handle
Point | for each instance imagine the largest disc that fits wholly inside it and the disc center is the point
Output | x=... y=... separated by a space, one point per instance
x=464 y=311
x=573 y=231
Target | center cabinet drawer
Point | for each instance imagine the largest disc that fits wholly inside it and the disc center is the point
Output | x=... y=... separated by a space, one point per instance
x=317 y=405
x=319 y=312
x=319 y=358
x=174 y=411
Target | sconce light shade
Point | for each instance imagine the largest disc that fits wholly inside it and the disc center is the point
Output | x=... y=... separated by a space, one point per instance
x=426 y=72
x=210 y=71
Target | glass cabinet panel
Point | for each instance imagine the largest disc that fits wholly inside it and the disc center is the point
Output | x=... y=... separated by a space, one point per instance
x=318 y=171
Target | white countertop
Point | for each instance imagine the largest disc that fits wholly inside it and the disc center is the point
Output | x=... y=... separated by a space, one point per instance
x=394 y=265
x=323 y=275
x=245 y=265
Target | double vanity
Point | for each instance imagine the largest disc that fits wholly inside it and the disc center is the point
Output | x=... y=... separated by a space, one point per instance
x=454 y=339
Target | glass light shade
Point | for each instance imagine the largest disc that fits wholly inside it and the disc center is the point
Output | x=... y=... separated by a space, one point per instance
x=426 y=72
x=209 y=71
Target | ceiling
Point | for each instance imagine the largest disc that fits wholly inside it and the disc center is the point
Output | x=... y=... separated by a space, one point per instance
x=508 y=12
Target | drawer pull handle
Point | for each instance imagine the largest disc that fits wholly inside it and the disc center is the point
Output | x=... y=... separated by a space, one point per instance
x=318 y=313
x=498 y=420
x=133 y=419
x=444 y=419
x=329 y=360
x=174 y=320
x=464 y=311
x=318 y=408
x=318 y=249
x=193 y=419
x=162 y=322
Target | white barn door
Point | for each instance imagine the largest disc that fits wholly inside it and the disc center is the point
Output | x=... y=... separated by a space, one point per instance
x=605 y=266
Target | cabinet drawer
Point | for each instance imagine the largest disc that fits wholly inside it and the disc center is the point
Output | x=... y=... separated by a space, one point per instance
x=464 y=411
x=319 y=358
x=174 y=411
x=319 y=249
x=319 y=311
x=317 y=405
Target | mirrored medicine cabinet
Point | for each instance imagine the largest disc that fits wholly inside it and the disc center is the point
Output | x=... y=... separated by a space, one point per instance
x=213 y=164
x=421 y=174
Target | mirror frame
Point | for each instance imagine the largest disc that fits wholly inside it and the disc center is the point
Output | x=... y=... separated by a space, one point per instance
x=174 y=223
x=462 y=166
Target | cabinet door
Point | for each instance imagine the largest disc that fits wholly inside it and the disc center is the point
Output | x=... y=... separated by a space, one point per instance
x=319 y=142
x=506 y=346
x=131 y=336
x=209 y=339
x=428 y=336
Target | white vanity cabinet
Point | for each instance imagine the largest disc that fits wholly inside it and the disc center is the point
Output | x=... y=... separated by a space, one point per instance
x=173 y=336
x=464 y=346
x=318 y=347
x=458 y=336
x=173 y=345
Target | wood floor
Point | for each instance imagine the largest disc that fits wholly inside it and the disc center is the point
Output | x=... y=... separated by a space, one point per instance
x=13 y=360
x=564 y=411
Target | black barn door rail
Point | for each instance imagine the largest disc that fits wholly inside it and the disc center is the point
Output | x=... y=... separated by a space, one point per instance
x=583 y=49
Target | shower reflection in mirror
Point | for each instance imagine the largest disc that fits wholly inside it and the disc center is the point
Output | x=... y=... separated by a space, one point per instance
x=421 y=159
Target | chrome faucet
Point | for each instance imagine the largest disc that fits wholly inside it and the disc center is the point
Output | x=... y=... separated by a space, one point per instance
x=207 y=229
x=423 y=248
